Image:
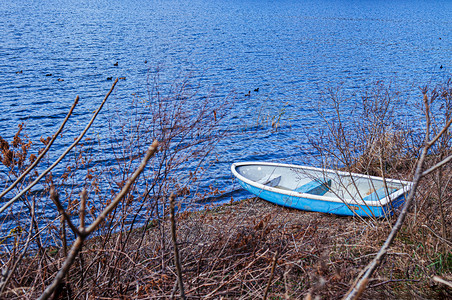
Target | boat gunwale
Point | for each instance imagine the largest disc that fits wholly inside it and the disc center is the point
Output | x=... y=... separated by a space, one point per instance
x=406 y=185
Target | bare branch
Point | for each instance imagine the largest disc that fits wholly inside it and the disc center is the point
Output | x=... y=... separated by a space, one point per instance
x=9 y=273
x=176 y=249
x=5 y=206
x=83 y=197
x=78 y=244
x=272 y=272
x=361 y=282
x=151 y=151
x=56 y=200
x=437 y=166
x=445 y=128
x=445 y=241
x=237 y=274
x=441 y=280
x=370 y=268
x=427 y=118
x=43 y=152
x=75 y=249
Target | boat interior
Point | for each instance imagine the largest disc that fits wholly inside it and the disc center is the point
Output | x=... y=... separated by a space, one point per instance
x=327 y=183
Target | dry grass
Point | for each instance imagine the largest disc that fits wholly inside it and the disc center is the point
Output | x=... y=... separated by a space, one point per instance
x=230 y=251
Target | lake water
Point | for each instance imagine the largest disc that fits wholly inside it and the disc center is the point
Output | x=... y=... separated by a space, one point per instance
x=288 y=49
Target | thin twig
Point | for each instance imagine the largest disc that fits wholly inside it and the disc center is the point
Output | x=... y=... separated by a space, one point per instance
x=286 y=288
x=436 y=138
x=40 y=156
x=449 y=243
x=77 y=246
x=4 y=207
x=235 y=276
x=56 y=200
x=176 y=250
x=150 y=152
x=83 y=197
x=438 y=165
x=275 y=260
x=361 y=282
x=441 y=280
x=11 y=271
x=393 y=280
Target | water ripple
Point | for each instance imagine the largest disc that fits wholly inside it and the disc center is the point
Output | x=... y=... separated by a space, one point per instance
x=288 y=49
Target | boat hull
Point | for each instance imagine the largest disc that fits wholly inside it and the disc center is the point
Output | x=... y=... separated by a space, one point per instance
x=308 y=202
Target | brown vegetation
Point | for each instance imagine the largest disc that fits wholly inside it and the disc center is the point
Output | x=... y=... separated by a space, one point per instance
x=248 y=249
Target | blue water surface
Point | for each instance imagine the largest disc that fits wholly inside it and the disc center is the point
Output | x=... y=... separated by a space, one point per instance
x=291 y=50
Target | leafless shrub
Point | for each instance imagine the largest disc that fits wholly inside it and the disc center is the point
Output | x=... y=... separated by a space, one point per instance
x=187 y=124
x=246 y=250
x=365 y=136
x=372 y=137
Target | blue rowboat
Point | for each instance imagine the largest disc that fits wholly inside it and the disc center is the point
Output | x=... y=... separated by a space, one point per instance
x=322 y=190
